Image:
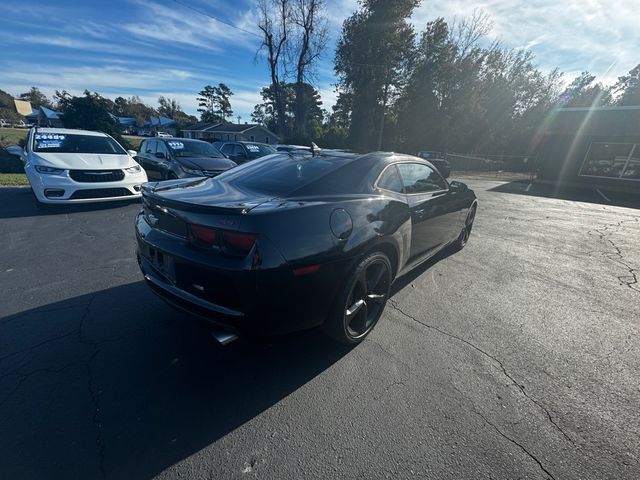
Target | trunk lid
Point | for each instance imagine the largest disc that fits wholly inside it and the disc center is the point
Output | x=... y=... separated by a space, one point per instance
x=172 y=205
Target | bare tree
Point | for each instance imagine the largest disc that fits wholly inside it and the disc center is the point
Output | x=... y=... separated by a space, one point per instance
x=466 y=33
x=273 y=22
x=309 y=43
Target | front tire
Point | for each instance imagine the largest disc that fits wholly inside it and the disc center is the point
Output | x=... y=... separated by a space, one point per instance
x=463 y=238
x=361 y=301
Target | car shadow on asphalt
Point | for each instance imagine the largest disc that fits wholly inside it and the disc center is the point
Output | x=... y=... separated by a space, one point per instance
x=18 y=202
x=588 y=195
x=117 y=384
x=412 y=275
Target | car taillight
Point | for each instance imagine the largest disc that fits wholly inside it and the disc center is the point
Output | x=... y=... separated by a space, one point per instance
x=203 y=235
x=238 y=242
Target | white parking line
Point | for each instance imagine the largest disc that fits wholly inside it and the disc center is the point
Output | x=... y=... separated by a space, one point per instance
x=603 y=195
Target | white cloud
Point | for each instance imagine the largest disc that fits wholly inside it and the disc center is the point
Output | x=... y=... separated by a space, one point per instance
x=94 y=78
x=188 y=27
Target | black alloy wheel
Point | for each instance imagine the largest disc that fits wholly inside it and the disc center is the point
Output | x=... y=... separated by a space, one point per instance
x=362 y=300
x=466 y=229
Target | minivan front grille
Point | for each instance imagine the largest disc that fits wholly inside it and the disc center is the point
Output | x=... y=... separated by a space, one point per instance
x=94 y=176
x=100 y=193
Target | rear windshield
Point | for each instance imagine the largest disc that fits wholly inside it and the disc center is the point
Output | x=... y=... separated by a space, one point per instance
x=191 y=148
x=279 y=174
x=257 y=150
x=65 y=143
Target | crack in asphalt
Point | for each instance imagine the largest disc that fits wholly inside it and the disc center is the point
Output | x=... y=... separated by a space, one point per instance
x=520 y=387
x=25 y=376
x=518 y=444
x=93 y=393
x=604 y=232
x=38 y=345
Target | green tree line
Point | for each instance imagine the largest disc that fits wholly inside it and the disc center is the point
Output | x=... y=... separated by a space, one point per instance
x=448 y=87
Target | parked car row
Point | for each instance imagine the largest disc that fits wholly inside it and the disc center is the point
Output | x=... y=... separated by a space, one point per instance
x=19 y=124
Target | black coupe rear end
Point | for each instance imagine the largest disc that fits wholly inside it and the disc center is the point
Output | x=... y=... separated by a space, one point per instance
x=290 y=242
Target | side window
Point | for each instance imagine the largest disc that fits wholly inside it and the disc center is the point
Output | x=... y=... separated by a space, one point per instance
x=151 y=147
x=227 y=148
x=238 y=150
x=390 y=180
x=162 y=148
x=419 y=178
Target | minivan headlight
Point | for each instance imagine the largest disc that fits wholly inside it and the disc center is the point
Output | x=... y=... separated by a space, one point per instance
x=134 y=169
x=49 y=170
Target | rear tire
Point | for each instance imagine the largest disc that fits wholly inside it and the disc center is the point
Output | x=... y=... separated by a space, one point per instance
x=361 y=301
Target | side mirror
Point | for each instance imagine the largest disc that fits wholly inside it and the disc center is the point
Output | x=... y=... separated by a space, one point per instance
x=132 y=153
x=15 y=150
x=456 y=186
x=160 y=155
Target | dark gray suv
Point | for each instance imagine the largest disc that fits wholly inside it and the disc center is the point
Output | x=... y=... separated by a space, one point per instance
x=166 y=158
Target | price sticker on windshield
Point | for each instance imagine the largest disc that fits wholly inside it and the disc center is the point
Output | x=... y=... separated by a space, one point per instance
x=48 y=143
x=253 y=148
x=176 y=145
x=49 y=136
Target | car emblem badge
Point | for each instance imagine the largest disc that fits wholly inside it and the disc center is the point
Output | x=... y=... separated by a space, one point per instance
x=152 y=219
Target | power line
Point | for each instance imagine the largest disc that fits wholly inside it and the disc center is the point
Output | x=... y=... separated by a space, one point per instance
x=213 y=17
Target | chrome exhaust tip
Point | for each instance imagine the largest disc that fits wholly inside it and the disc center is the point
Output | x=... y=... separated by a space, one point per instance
x=224 y=337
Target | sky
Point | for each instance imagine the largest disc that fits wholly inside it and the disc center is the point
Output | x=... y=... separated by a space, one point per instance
x=162 y=47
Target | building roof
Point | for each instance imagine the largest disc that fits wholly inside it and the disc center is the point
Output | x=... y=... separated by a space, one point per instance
x=50 y=114
x=603 y=121
x=160 y=122
x=200 y=126
x=128 y=121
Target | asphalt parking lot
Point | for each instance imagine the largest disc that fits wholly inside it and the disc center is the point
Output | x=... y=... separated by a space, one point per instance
x=515 y=358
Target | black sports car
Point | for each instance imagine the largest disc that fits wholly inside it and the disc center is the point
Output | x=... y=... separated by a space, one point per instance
x=290 y=242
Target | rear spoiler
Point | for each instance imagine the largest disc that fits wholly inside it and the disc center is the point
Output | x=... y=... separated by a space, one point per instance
x=153 y=191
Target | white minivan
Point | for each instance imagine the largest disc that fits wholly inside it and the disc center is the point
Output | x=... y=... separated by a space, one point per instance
x=77 y=166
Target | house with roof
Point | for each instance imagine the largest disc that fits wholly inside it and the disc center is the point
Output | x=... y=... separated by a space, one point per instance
x=216 y=131
x=162 y=124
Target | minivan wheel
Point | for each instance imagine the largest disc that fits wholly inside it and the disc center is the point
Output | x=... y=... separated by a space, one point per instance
x=361 y=301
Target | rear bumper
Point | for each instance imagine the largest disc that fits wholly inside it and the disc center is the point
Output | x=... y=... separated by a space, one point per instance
x=241 y=299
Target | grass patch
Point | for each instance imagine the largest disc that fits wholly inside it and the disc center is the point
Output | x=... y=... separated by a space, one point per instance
x=13 y=179
x=12 y=136
x=134 y=142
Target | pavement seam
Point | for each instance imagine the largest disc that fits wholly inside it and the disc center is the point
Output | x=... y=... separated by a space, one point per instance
x=520 y=387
